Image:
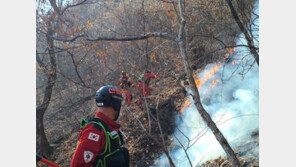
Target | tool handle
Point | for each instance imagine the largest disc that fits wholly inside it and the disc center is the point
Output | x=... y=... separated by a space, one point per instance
x=43 y=160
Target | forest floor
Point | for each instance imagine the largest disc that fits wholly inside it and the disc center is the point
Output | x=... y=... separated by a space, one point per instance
x=167 y=97
x=167 y=93
x=247 y=153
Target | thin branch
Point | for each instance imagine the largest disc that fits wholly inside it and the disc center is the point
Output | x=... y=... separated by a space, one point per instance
x=131 y=113
x=183 y=22
x=163 y=147
x=55 y=7
x=69 y=79
x=41 y=64
x=147 y=108
x=68 y=40
x=158 y=122
x=177 y=13
x=128 y=38
x=76 y=70
x=185 y=150
x=76 y=103
x=71 y=6
x=165 y=1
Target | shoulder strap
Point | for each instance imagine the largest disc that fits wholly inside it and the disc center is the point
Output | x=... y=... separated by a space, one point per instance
x=96 y=121
x=121 y=137
x=111 y=144
x=99 y=120
x=141 y=77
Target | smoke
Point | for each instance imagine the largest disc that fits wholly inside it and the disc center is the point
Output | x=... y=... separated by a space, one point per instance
x=231 y=97
x=233 y=103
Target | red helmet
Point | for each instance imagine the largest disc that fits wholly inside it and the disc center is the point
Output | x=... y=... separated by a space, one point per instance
x=123 y=72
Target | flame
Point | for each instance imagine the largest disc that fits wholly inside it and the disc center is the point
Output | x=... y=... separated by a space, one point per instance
x=209 y=74
x=233 y=62
x=231 y=50
x=213 y=83
x=199 y=82
x=185 y=105
x=226 y=56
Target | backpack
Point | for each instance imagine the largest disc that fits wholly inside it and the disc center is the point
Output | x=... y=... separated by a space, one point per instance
x=114 y=155
x=141 y=77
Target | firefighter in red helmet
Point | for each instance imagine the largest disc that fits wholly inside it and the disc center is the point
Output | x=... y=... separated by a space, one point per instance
x=100 y=140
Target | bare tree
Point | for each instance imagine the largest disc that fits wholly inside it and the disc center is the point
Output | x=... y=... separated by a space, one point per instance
x=248 y=35
x=195 y=94
x=190 y=142
x=143 y=33
x=51 y=74
x=51 y=79
x=180 y=39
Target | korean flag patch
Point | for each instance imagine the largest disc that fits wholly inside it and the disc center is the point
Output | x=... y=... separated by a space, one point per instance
x=93 y=136
x=88 y=155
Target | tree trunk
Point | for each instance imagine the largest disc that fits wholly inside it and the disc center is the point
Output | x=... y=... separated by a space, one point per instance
x=206 y=117
x=249 y=39
x=42 y=141
x=164 y=149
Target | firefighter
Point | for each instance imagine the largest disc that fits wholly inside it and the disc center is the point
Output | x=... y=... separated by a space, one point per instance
x=100 y=140
x=143 y=84
x=125 y=85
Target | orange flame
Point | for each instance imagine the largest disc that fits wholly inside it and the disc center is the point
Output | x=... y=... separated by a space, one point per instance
x=199 y=82
x=231 y=50
x=209 y=74
x=226 y=56
x=214 y=82
x=185 y=105
x=233 y=62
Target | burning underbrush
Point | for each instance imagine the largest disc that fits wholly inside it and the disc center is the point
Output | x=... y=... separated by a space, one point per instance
x=229 y=92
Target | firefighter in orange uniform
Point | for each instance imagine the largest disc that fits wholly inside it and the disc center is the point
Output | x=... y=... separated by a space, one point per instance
x=125 y=85
x=143 y=83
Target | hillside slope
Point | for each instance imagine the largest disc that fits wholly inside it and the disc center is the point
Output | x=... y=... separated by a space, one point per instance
x=167 y=92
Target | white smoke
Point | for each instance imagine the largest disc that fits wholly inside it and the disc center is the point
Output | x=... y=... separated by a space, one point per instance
x=233 y=104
